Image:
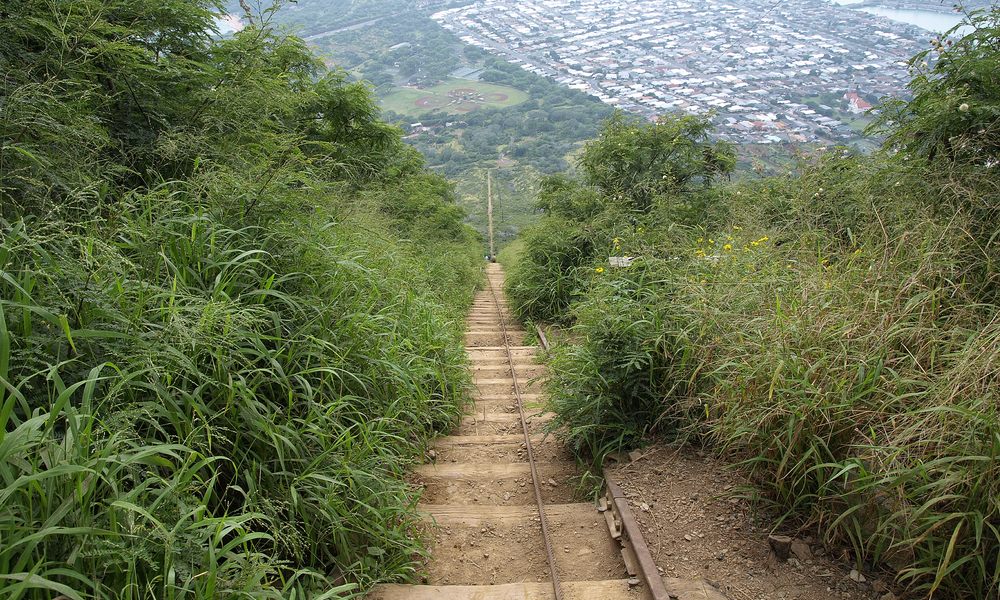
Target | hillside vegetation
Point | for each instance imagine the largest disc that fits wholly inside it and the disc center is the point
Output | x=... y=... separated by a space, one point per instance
x=230 y=311
x=835 y=330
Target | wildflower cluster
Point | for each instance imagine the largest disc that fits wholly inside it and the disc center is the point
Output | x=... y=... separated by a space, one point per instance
x=735 y=249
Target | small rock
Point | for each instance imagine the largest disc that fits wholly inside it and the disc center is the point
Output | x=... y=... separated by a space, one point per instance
x=801 y=550
x=552 y=482
x=644 y=507
x=431 y=454
x=506 y=496
x=856 y=576
x=486 y=554
x=634 y=455
x=687 y=537
x=780 y=544
x=879 y=586
x=888 y=596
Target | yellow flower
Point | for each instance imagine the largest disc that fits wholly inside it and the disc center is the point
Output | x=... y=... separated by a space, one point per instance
x=617 y=247
x=616 y=240
x=640 y=229
x=728 y=247
x=789 y=266
x=858 y=251
x=600 y=269
x=711 y=241
x=701 y=239
x=754 y=243
x=737 y=227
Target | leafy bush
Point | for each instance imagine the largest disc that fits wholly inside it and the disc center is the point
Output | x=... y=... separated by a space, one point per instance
x=229 y=313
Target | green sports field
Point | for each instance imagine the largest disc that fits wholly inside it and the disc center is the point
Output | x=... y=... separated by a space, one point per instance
x=454 y=96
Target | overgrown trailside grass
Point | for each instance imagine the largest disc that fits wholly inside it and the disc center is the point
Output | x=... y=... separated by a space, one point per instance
x=192 y=390
x=832 y=332
x=219 y=389
x=230 y=313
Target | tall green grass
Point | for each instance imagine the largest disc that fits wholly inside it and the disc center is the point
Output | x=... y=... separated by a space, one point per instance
x=835 y=334
x=192 y=409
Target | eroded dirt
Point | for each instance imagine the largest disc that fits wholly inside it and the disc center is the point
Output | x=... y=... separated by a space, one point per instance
x=696 y=526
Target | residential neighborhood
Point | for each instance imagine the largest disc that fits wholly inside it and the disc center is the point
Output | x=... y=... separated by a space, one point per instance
x=798 y=70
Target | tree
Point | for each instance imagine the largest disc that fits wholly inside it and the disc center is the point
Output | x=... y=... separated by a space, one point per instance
x=954 y=113
x=567 y=198
x=89 y=86
x=637 y=161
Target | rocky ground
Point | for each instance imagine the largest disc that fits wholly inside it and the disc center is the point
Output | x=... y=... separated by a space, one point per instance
x=699 y=523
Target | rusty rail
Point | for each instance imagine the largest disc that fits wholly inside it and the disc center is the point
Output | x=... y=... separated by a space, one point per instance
x=623 y=527
x=624 y=524
x=556 y=586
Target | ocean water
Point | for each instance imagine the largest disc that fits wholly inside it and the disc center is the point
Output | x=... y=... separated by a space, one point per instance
x=929 y=20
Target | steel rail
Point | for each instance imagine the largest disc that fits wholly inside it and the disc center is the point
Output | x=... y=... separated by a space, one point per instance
x=630 y=533
x=556 y=587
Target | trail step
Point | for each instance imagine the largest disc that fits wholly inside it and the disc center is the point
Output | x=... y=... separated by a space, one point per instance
x=615 y=589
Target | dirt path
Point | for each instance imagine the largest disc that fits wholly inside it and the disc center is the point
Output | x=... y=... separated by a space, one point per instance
x=478 y=490
x=696 y=525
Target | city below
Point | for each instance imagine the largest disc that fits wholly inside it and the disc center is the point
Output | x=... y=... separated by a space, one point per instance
x=799 y=70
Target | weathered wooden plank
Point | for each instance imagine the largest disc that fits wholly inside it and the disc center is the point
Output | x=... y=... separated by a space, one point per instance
x=616 y=589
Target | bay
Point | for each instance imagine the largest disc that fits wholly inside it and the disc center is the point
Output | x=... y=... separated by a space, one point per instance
x=938 y=22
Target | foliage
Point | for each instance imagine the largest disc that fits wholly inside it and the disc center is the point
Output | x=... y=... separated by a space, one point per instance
x=636 y=162
x=955 y=106
x=544 y=282
x=407 y=47
x=623 y=180
x=830 y=337
x=229 y=312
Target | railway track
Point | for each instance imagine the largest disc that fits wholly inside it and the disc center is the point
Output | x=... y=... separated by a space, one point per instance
x=501 y=496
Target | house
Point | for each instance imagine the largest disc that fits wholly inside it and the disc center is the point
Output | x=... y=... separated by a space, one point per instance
x=857 y=105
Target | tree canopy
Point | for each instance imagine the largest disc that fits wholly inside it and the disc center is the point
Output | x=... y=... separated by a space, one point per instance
x=638 y=161
x=954 y=111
